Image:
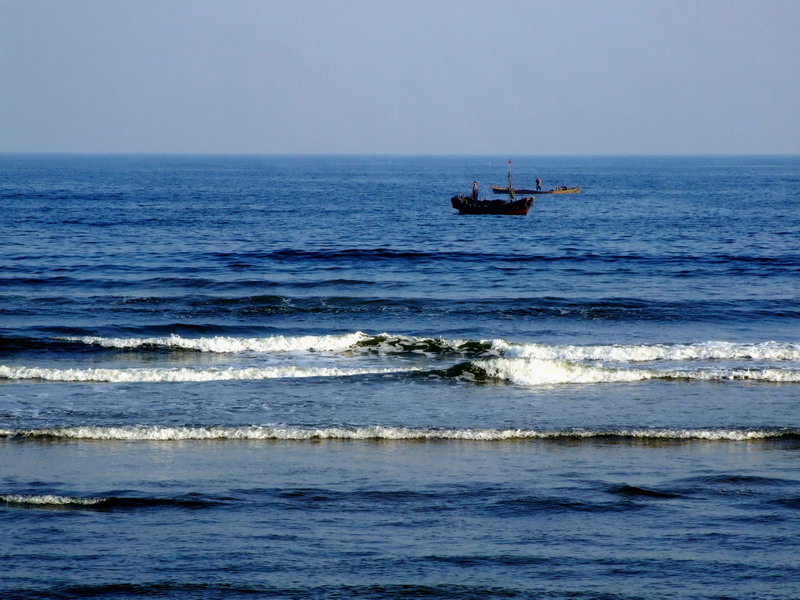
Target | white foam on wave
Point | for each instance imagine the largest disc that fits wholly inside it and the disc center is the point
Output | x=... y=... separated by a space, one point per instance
x=48 y=500
x=290 y=433
x=388 y=343
x=225 y=344
x=767 y=351
x=552 y=372
x=176 y=375
x=530 y=372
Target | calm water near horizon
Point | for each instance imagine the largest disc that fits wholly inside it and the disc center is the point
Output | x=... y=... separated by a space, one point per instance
x=310 y=378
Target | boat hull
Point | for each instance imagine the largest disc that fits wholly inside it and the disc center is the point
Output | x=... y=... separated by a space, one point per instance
x=559 y=190
x=468 y=206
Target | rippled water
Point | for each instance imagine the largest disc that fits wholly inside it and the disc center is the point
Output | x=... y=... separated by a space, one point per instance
x=308 y=377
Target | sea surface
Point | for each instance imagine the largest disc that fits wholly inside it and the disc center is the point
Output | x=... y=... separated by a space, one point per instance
x=310 y=378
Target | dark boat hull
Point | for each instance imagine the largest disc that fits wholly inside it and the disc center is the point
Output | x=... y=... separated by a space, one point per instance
x=468 y=206
x=559 y=190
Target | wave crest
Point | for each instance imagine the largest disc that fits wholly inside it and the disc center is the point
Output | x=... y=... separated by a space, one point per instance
x=386 y=343
x=377 y=432
x=536 y=372
x=177 y=375
x=715 y=350
x=48 y=500
x=225 y=344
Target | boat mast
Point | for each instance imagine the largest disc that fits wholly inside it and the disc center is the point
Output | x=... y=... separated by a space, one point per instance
x=510 y=183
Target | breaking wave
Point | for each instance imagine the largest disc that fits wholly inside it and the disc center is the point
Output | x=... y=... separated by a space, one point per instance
x=714 y=350
x=225 y=344
x=386 y=343
x=176 y=375
x=519 y=371
x=481 y=360
x=377 y=433
x=552 y=372
x=53 y=501
x=49 y=500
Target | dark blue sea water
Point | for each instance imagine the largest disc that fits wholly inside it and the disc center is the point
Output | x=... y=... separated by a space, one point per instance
x=309 y=377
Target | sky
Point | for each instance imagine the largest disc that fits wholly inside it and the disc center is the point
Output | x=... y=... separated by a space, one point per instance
x=522 y=77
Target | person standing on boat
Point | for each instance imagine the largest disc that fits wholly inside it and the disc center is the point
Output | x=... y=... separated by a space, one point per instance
x=538 y=185
x=474 y=191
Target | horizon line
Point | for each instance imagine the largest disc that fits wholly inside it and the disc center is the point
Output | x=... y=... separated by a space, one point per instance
x=390 y=154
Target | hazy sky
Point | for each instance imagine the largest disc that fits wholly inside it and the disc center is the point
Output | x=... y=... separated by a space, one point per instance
x=401 y=77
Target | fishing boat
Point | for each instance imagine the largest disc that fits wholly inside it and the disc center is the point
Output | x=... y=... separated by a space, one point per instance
x=497 y=189
x=471 y=205
x=467 y=206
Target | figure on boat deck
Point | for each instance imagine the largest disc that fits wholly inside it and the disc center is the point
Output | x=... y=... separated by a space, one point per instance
x=472 y=205
x=538 y=185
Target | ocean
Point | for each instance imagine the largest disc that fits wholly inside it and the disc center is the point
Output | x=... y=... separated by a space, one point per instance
x=309 y=377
